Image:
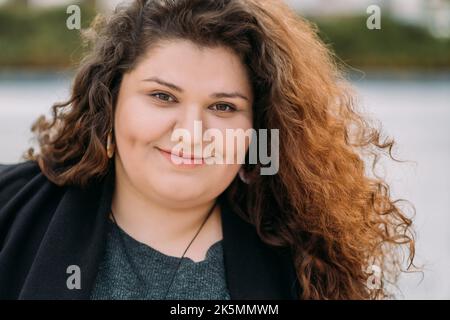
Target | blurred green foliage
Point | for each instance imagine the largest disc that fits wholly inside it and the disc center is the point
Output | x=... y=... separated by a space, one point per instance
x=39 y=38
x=395 y=46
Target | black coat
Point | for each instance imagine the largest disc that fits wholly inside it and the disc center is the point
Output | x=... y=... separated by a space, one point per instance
x=44 y=228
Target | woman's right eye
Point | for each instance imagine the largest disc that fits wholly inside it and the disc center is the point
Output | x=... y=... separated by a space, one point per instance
x=163 y=96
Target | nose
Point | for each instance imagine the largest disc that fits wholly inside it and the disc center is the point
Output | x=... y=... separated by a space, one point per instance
x=189 y=129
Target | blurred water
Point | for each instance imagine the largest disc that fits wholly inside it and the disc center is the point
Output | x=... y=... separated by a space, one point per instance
x=415 y=111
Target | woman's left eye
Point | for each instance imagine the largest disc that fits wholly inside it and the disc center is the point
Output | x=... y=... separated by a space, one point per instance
x=222 y=107
x=162 y=96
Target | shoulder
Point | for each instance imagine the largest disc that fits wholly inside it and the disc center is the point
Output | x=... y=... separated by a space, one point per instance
x=19 y=167
x=14 y=177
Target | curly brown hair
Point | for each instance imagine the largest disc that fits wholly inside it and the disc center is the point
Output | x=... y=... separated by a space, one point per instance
x=337 y=220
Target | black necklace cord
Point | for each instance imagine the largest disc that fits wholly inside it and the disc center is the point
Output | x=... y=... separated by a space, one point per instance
x=130 y=260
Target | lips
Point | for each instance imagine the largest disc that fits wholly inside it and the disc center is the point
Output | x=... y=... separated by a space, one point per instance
x=181 y=155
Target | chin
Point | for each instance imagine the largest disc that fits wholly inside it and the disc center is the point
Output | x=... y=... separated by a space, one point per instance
x=179 y=190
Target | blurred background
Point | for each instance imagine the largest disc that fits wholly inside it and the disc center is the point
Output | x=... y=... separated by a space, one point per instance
x=401 y=74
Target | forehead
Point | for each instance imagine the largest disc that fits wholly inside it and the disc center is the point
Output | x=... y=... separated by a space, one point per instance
x=188 y=65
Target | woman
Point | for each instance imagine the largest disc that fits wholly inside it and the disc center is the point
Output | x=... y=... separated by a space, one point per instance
x=105 y=211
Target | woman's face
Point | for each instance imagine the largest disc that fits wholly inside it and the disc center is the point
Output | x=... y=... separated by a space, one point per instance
x=175 y=84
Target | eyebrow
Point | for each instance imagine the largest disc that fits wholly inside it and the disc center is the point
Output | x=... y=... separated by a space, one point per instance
x=214 y=95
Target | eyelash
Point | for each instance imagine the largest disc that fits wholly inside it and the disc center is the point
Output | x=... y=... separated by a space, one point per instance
x=232 y=108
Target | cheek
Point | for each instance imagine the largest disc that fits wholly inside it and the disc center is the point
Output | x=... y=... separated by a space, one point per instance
x=225 y=174
x=234 y=143
x=137 y=122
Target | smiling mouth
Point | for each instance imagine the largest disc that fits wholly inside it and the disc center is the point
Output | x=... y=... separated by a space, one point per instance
x=186 y=160
x=181 y=155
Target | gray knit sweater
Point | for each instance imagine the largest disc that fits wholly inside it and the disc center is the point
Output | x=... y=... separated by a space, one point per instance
x=116 y=278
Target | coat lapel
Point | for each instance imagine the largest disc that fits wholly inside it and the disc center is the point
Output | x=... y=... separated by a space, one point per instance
x=253 y=269
x=75 y=236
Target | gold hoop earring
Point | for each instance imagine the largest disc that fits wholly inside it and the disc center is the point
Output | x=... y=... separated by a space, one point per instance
x=109 y=145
